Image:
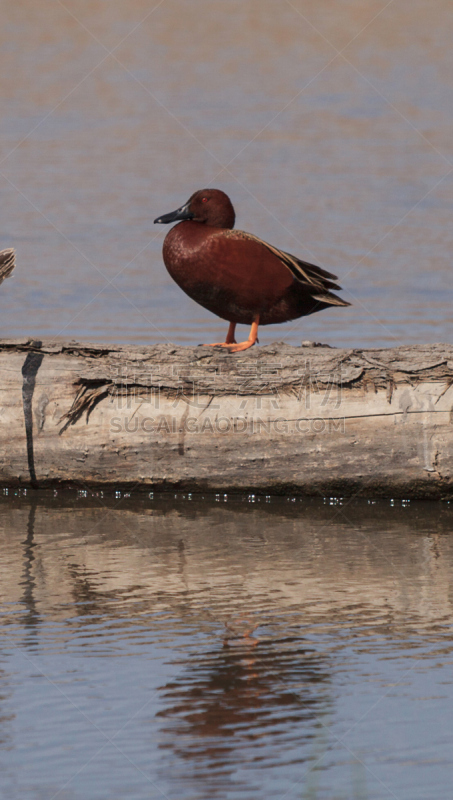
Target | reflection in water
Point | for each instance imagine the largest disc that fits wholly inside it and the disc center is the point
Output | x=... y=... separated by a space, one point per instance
x=267 y=692
x=88 y=599
x=218 y=644
x=31 y=616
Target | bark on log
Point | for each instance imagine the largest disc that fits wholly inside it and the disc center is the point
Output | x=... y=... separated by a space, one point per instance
x=275 y=419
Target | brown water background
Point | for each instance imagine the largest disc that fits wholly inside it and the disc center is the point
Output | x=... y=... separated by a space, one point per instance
x=328 y=123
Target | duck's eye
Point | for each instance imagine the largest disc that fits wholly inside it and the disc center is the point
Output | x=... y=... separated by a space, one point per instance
x=204 y=199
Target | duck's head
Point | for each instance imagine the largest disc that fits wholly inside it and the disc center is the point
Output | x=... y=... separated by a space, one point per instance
x=208 y=206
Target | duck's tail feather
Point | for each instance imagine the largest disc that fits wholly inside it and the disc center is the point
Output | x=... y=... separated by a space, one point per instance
x=303 y=270
x=7 y=263
x=330 y=299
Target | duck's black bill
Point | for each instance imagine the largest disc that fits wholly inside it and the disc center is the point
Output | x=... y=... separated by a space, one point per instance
x=175 y=216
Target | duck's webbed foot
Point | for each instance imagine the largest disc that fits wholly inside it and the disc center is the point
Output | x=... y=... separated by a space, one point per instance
x=231 y=343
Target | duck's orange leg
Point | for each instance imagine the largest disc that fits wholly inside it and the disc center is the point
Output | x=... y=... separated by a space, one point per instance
x=230 y=335
x=231 y=343
x=229 y=338
x=253 y=337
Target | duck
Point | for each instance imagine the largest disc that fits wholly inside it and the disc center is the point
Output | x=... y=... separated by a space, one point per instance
x=7 y=263
x=236 y=275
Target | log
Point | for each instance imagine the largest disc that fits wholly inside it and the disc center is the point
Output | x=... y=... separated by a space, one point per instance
x=278 y=419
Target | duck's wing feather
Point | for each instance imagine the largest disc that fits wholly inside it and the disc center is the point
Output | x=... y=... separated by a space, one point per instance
x=314 y=278
x=7 y=263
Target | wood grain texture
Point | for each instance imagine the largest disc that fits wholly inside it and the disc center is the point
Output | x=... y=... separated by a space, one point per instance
x=274 y=419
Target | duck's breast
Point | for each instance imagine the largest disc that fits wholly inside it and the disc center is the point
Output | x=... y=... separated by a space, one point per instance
x=233 y=276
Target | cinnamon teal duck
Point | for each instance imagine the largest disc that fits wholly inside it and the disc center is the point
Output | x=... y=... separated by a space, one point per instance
x=7 y=263
x=236 y=275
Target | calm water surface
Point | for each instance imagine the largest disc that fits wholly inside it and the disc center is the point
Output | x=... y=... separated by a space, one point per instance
x=225 y=648
x=329 y=124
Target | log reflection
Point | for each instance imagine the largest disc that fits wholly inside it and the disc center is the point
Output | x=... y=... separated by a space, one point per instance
x=31 y=616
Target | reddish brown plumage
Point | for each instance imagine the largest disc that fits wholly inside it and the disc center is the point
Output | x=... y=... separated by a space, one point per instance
x=236 y=275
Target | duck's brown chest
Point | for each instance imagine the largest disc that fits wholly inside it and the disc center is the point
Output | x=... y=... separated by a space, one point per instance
x=182 y=251
x=191 y=257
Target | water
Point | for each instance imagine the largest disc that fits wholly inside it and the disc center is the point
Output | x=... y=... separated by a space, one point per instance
x=114 y=113
x=224 y=648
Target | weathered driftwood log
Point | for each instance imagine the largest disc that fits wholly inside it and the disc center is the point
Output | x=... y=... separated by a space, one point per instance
x=274 y=419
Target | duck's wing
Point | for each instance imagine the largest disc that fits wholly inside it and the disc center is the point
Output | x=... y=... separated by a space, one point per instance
x=317 y=280
x=7 y=263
